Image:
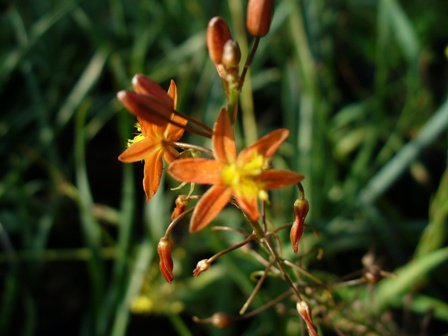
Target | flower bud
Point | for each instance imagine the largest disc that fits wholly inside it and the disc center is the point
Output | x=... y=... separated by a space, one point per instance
x=146 y=86
x=301 y=208
x=164 y=249
x=202 y=266
x=181 y=204
x=220 y=320
x=231 y=54
x=218 y=34
x=259 y=17
x=305 y=312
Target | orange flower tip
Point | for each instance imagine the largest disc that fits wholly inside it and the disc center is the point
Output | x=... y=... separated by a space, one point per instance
x=218 y=34
x=259 y=17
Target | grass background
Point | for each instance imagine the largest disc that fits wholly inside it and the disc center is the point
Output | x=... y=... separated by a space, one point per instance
x=362 y=87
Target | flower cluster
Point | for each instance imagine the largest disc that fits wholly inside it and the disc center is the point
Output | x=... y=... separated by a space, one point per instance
x=242 y=179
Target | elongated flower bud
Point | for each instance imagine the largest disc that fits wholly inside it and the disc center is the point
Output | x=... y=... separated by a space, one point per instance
x=218 y=34
x=164 y=249
x=146 y=86
x=305 y=312
x=301 y=208
x=259 y=17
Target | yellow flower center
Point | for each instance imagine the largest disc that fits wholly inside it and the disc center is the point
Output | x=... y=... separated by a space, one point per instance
x=240 y=177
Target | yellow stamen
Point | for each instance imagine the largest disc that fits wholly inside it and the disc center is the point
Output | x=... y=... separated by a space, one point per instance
x=240 y=177
x=138 y=137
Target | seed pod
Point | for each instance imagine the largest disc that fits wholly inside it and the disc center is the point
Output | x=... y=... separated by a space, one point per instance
x=259 y=17
x=218 y=34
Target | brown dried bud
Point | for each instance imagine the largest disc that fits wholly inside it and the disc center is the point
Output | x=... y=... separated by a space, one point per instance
x=202 y=266
x=219 y=320
x=301 y=208
x=231 y=54
x=164 y=249
x=181 y=204
x=259 y=17
x=218 y=34
x=305 y=311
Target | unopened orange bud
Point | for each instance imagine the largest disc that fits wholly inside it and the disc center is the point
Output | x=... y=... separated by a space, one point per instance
x=231 y=54
x=146 y=86
x=259 y=17
x=301 y=208
x=164 y=249
x=148 y=107
x=218 y=34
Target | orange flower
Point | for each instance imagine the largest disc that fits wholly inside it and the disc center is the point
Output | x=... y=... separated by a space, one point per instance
x=245 y=176
x=153 y=108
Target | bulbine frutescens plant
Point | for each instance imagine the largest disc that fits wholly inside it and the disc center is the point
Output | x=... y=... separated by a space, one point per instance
x=241 y=179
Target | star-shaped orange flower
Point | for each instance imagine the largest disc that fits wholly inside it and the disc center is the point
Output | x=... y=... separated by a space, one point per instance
x=246 y=176
x=153 y=108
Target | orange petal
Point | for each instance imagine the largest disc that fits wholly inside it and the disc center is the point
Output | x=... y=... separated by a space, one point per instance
x=144 y=85
x=173 y=132
x=249 y=206
x=152 y=174
x=209 y=206
x=265 y=146
x=274 y=179
x=148 y=108
x=172 y=92
x=201 y=171
x=170 y=154
x=224 y=147
x=138 y=151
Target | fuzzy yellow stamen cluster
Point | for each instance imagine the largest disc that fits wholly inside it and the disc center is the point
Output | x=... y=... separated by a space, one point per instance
x=138 y=137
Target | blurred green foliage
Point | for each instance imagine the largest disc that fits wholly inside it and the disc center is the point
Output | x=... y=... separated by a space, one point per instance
x=360 y=84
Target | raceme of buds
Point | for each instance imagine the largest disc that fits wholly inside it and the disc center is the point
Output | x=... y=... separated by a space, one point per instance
x=301 y=208
x=164 y=249
x=259 y=17
x=218 y=34
x=305 y=311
